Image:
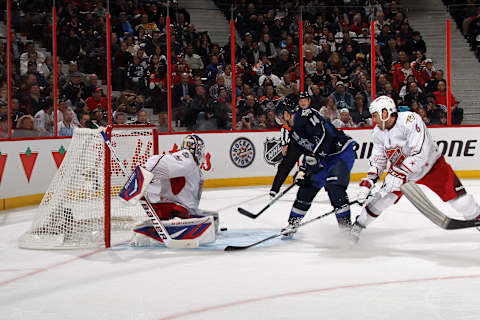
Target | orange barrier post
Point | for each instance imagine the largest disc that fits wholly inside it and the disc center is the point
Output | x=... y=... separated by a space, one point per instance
x=234 y=84
x=372 y=58
x=449 y=76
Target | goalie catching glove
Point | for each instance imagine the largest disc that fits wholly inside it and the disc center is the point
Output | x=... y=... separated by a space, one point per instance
x=136 y=185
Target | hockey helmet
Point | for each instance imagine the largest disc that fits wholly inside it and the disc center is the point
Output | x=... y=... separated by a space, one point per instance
x=380 y=103
x=282 y=106
x=304 y=95
x=195 y=145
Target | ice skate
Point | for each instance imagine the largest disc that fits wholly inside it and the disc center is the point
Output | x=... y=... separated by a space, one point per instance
x=291 y=229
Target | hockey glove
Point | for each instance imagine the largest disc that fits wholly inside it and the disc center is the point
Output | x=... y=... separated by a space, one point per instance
x=301 y=177
x=312 y=164
x=394 y=179
x=365 y=187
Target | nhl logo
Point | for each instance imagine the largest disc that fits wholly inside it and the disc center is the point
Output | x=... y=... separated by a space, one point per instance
x=272 y=150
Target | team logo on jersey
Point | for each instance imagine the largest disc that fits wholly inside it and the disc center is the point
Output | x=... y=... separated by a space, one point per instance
x=411 y=118
x=242 y=152
x=272 y=151
x=395 y=155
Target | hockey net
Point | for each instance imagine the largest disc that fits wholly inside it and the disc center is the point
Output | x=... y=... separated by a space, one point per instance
x=81 y=207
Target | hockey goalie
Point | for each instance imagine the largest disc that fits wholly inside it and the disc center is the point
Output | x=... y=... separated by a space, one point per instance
x=173 y=185
x=401 y=139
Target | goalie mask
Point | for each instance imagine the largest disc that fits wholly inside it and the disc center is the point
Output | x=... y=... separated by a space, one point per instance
x=380 y=103
x=195 y=145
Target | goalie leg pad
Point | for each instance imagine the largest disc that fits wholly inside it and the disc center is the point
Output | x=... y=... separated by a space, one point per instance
x=206 y=213
x=136 y=185
x=201 y=229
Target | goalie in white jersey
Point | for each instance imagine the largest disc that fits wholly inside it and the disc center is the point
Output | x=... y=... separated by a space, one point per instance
x=174 y=191
x=402 y=140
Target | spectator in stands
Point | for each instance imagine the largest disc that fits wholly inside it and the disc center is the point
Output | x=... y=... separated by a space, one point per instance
x=441 y=99
x=309 y=45
x=330 y=110
x=415 y=44
x=310 y=65
x=268 y=75
x=267 y=47
x=434 y=110
x=269 y=100
x=121 y=60
x=223 y=110
x=75 y=88
x=283 y=64
x=142 y=118
x=194 y=60
x=162 y=122
x=360 y=115
x=414 y=93
x=66 y=126
x=343 y=98
x=286 y=86
x=84 y=120
x=44 y=119
x=246 y=122
x=96 y=101
x=214 y=90
x=136 y=75
x=119 y=118
x=214 y=68
x=25 y=127
x=249 y=104
x=92 y=85
x=345 y=120
x=195 y=106
x=32 y=101
x=432 y=85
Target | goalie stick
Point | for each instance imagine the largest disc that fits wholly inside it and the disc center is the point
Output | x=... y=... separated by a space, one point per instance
x=281 y=233
x=152 y=215
x=418 y=198
x=255 y=215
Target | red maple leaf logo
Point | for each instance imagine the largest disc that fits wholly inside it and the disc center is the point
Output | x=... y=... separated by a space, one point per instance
x=3 y=160
x=59 y=155
x=28 y=162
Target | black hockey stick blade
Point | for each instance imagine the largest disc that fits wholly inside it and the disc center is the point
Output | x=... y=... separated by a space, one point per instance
x=256 y=215
x=238 y=248
x=453 y=224
x=248 y=213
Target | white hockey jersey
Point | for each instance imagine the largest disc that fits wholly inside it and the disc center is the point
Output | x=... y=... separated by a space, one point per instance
x=407 y=146
x=177 y=178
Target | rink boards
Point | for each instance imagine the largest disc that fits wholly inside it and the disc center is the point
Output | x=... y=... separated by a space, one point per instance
x=233 y=159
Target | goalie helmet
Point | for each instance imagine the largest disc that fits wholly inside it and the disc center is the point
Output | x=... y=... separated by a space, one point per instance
x=195 y=145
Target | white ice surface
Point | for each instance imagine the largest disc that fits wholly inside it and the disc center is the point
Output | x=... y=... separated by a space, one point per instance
x=404 y=267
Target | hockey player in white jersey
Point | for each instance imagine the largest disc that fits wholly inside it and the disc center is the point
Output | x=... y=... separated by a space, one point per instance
x=174 y=191
x=402 y=140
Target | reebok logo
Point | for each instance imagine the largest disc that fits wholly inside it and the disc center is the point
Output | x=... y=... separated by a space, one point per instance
x=459 y=188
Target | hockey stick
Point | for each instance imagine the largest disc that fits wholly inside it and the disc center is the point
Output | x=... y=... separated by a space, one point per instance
x=255 y=215
x=418 y=198
x=281 y=233
x=152 y=215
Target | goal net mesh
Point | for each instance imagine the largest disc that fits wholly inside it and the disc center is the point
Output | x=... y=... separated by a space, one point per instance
x=72 y=212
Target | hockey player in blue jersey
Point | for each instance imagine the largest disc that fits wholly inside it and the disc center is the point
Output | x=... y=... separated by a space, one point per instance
x=328 y=160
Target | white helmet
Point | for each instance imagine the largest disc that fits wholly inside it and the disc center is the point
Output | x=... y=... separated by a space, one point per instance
x=380 y=103
x=195 y=145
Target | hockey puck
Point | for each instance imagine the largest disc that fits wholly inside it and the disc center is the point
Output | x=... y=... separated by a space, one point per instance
x=223 y=229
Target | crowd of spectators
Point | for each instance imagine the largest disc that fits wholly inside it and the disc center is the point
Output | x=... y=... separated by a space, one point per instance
x=337 y=66
x=467 y=16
